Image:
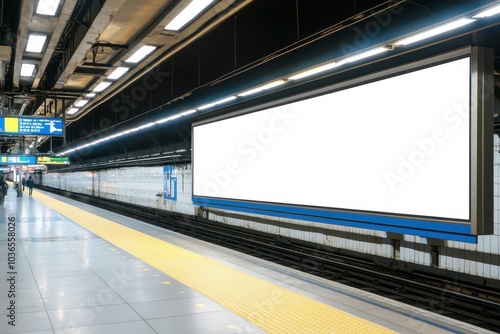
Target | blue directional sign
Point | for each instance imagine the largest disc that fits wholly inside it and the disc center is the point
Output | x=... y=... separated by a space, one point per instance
x=36 y=126
x=18 y=159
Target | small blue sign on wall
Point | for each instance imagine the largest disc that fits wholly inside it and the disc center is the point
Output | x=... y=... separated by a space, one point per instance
x=170 y=183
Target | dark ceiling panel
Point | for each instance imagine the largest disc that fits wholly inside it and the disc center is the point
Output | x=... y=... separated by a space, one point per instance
x=317 y=15
x=186 y=70
x=264 y=27
x=217 y=52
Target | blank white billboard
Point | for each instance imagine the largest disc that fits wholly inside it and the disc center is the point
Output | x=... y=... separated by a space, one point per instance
x=399 y=145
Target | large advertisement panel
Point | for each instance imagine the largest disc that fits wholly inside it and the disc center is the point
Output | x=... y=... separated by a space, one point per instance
x=394 y=151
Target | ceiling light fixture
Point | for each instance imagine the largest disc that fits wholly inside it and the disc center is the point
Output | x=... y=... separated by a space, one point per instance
x=435 y=31
x=487 y=13
x=187 y=14
x=365 y=54
x=118 y=73
x=316 y=70
x=212 y=104
x=72 y=111
x=27 y=69
x=35 y=43
x=102 y=86
x=81 y=103
x=263 y=87
x=140 y=54
x=167 y=119
x=47 y=7
x=188 y=112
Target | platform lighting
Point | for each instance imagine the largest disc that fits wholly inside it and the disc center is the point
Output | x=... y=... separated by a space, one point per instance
x=35 y=43
x=81 y=103
x=145 y=126
x=118 y=73
x=72 y=111
x=365 y=54
x=47 y=7
x=167 y=119
x=187 y=14
x=188 y=112
x=316 y=70
x=140 y=54
x=263 y=87
x=27 y=69
x=102 y=86
x=435 y=31
x=145 y=50
x=487 y=13
x=218 y=102
x=90 y=95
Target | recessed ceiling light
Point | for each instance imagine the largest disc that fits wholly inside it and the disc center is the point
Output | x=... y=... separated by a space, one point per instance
x=35 y=43
x=102 y=86
x=81 y=103
x=187 y=14
x=141 y=54
x=27 y=70
x=72 y=111
x=118 y=73
x=47 y=7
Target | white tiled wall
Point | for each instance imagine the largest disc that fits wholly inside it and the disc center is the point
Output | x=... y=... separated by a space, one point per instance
x=141 y=186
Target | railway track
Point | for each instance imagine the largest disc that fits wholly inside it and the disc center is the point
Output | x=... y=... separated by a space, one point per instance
x=475 y=304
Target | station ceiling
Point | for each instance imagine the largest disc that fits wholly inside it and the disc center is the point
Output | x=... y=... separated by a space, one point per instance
x=230 y=45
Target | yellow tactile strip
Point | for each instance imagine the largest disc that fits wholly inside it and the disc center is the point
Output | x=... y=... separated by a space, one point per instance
x=268 y=306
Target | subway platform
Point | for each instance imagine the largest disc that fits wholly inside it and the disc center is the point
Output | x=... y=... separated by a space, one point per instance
x=68 y=267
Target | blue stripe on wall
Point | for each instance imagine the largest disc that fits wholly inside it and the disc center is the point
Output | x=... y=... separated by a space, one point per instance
x=423 y=228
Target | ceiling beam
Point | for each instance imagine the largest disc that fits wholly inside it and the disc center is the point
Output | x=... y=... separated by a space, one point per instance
x=91 y=37
x=66 y=12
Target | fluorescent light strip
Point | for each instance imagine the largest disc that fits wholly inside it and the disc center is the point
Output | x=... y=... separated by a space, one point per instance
x=212 y=104
x=72 y=111
x=435 y=31
x=188 y=112
x=365 y=54
x=47 y=7
x=35 y=43
x=261 y=88
x=90 y=95
x=487 y=13
x=118 y=73
x=187 y=14
x=141 y=54
x=81 y=103
x=27 y=70
x=102 y=86
x=148 y=125
x=316 y=70
x=167 y=119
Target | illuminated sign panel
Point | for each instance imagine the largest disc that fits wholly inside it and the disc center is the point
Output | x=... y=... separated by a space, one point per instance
x=53 y=160
x=18 y=159
x=43 y=126
x=397 y=152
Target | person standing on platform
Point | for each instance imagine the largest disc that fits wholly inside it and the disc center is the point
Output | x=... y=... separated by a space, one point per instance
x=3 y=190
x=23 y=182
x=30 y=183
